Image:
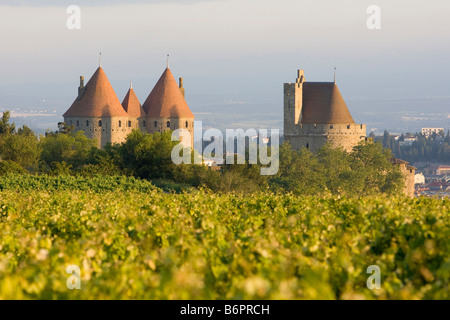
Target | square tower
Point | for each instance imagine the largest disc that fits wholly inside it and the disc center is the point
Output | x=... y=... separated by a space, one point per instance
x=293 y=101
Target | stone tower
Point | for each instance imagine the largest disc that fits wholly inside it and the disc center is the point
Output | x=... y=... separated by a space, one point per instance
x=166 y=107
x=98 y=112
x=134 y=110
x=315 y=113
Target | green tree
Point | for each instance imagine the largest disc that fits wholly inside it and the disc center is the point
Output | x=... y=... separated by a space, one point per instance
x=148 y=155
x=374 y=170
x=5 y=126
x=24 y=130
x=75 y=149
x=22 y=149
x=11 y=167
x=299 y=172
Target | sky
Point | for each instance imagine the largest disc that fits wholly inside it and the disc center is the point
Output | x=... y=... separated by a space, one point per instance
x=229 y=52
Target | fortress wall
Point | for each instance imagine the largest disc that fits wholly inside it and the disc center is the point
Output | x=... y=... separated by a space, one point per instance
x=409 y=175
x=112 y=130
x=314 y=136
x=160 y=125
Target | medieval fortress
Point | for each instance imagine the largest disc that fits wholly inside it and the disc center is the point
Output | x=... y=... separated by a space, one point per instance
x=315 y=113
x=98 y=112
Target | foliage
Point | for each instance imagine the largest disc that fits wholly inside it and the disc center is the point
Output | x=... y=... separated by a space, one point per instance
x=139 y=243
x=147 y=156
x=74 y=149
x=436 y=147
x=29 y=183
x=22 y=148
x=11 y=167
x=6 y=128
x=364 y=171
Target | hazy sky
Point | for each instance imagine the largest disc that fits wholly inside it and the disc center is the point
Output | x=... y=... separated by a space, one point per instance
x=241 y=49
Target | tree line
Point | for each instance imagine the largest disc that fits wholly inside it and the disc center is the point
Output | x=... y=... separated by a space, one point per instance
x=434 y=148
x=364 y=171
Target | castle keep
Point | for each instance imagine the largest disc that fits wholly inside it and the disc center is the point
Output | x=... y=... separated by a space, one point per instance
x=98 y=112
x=315 y=113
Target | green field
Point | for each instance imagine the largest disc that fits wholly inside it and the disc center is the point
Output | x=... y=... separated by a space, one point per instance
x=134 y=241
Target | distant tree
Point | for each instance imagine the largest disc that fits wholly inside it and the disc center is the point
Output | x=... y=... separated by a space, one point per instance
x=5 y=126
x=386 y=140
x=24 y=130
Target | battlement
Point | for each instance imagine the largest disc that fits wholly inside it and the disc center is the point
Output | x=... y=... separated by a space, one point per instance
x=351 y=128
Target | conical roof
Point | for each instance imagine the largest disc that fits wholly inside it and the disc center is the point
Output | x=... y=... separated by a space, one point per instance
x=166 y=99
x=323 y=104
x=132 y=105
x=98 y=100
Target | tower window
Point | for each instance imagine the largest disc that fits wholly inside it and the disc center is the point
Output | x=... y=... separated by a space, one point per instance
x=187 y=124
x=168 y=124
x=87 y=123
x=120 y=123
x=144 y=124
x=78 y=123
x=307 y=145
x=156 y=124
x=129 y=124
x=99 y=123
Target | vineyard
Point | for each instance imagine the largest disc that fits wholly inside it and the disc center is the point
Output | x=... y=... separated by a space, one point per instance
x=130 y=240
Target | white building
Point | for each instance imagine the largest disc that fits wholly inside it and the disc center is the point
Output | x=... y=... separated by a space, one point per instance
x=419 y=178
x=429 y=131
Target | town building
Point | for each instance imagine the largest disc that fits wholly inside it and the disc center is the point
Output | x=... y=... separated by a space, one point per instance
x=419 y=178
x=438 y=170
x=429 y=131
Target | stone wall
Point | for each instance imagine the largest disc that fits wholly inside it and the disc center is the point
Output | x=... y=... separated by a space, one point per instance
x=409 y=174
x=293 y=102
x=160 y=125
x=104 y=129
x=314 y=136
x=116 y=129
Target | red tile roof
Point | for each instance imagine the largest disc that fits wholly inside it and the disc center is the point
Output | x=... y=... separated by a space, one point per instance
x=132 y=105
x=166 y=99
x=398 y=161
x=323 y=104
x=99 y=99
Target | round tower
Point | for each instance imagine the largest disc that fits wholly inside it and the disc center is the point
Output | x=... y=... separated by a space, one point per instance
x=166 y=107
x=98 y=112
x=134 y=110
